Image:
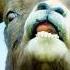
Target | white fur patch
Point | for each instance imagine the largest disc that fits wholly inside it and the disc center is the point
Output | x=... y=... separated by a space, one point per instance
x=46 y=47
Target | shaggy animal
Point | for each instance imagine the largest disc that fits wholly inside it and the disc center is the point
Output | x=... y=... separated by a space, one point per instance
x=37 y=34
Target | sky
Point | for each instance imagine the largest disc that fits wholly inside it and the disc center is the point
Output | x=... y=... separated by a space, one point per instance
x=3 y=48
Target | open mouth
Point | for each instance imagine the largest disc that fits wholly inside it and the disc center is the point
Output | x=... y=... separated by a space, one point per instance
x=45 y=26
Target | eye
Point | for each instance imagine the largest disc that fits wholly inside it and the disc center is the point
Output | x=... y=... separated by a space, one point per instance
x=59 y=10
x=11 y=15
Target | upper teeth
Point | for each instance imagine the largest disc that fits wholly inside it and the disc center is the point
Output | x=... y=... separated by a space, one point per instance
x=44 y=34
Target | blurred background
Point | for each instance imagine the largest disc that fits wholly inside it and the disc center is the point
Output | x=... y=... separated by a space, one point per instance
x=3 y=48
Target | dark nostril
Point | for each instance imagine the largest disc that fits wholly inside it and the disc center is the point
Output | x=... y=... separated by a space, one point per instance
x=42 y=6
x=59 y=10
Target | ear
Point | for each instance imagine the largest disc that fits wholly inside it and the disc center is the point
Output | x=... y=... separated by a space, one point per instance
x=2 y=5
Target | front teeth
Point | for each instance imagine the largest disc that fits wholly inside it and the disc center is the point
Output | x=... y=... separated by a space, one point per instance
x=44 y=34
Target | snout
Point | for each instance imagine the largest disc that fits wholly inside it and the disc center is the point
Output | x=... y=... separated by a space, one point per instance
x=45 y=18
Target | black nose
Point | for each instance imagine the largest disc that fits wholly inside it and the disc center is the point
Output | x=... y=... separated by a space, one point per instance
x=42 y=6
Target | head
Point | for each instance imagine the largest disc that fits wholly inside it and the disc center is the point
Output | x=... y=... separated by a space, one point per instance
x=37 y=34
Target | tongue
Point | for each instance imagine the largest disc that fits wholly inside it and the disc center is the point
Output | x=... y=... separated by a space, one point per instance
x=47 y=27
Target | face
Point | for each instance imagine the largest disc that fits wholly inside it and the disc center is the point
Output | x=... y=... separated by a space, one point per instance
x=37 y=34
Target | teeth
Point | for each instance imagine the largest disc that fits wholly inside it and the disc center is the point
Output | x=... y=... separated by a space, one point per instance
x=44 y=34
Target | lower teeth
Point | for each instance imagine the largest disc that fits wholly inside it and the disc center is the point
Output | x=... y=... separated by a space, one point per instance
x=44 y=34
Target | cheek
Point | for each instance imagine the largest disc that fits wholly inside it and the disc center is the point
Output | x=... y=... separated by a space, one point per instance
x=46 y=49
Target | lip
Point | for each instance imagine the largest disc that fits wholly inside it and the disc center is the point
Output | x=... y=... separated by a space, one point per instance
x=47 y=24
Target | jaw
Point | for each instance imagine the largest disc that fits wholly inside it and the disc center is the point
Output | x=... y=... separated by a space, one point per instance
x=46 y=47
x=46 y=51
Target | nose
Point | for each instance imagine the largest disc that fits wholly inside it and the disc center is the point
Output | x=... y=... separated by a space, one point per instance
x=43 y=6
